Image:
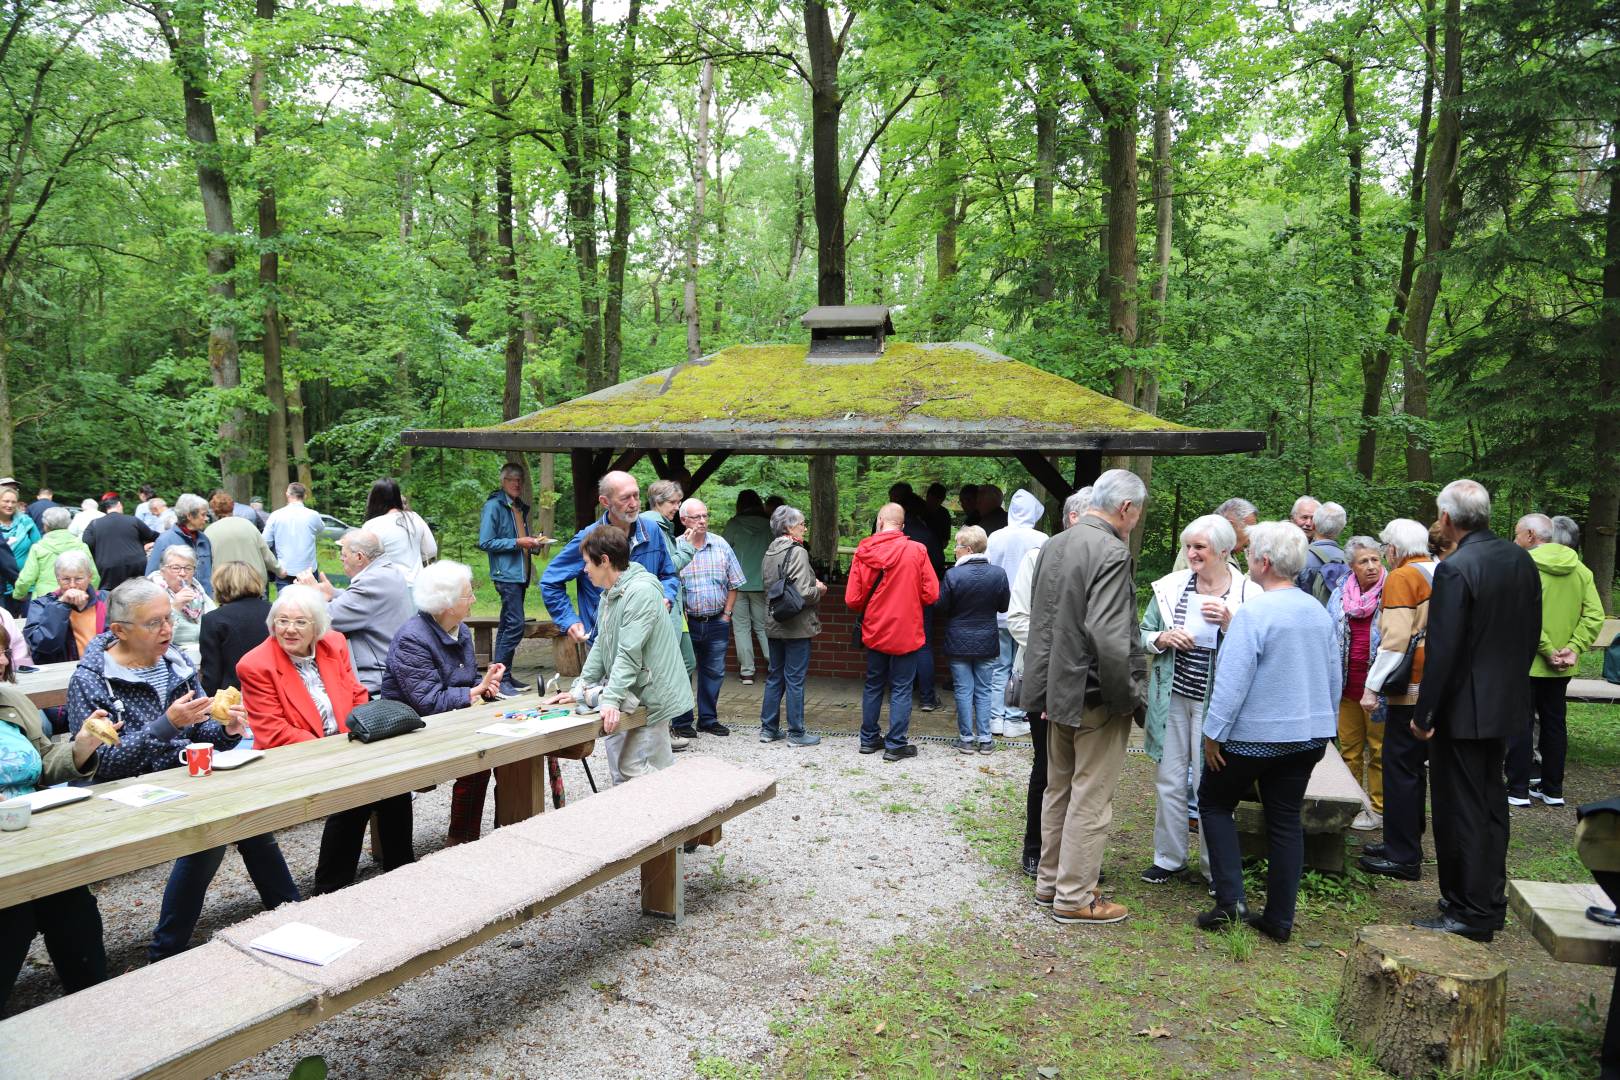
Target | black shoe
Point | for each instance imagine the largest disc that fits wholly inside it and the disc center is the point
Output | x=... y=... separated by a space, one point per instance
x=687 y=732
x=716 y=728
x=1400 y=871
x=1376 y=851
x=520 y=687
x=1219 y=918
x=1455 y=926
x=1275 y=933
x=907 y=751
x=1158 y=875
x=928 y=706
x=871 y=748
x=1031 y=865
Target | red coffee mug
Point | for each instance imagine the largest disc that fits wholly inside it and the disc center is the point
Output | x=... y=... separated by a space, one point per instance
x=198 y=758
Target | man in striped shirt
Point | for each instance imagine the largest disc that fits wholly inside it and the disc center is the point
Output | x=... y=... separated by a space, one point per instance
x=710 y=581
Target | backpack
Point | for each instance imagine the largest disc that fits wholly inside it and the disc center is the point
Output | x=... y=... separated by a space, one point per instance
x=1326 y=576
x=782 y=596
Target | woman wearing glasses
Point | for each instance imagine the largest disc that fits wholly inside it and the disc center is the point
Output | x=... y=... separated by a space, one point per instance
x=135 y=674
x=299 y=685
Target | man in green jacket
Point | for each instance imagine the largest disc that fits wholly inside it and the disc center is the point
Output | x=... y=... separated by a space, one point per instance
x=1571 y=616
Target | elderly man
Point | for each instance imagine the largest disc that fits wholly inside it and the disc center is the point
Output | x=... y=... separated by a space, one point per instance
x=191 y=518
x=1241 y=514
x=1007 y=549
x=709 y=583
x=372 y=609
x=504 y=535
x=1086 y=671
x=155 y=514
x=1483 y=632
x=292 y=531
x=1571 y=617
x=237 y=539
x=1325 y=564
x=1304 y=515
x=118 y=543
x=890 y=582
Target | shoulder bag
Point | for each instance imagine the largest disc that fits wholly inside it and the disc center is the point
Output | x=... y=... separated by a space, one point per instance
x=860 y=616
x=382 y=719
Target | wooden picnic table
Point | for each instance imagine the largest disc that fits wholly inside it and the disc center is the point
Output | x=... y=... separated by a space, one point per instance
x=46 y=686
x=97 y=839
x=1593 y=691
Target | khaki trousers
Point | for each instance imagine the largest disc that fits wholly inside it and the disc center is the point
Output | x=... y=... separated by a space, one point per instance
x=1362 y=741
x=1082 y=768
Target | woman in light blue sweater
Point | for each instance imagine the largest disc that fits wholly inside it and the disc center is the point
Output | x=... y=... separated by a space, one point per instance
x=1273 y=708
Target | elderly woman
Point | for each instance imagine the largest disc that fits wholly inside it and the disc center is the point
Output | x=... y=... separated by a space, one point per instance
x=1273 y=708
x=406 y=539
x=38 y=571
x=971 y=594
x=636 y=661
x=177 y=575
x=232 y=630
x=69 y=920
x=786 y=560
x=17 y=529
x=1182 y=628
x=1353 y=608
x=1403 y=620
x=430 y=667
x=191 y=518
x=299 y=685
x=61 y=624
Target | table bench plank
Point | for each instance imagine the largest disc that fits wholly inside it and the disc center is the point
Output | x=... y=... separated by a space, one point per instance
x=47 y=685
x=1556 y=915
x=1593 y=691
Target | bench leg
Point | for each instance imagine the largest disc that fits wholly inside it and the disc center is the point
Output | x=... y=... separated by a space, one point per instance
x=520 y=790
x=663 y=886
x=376 y=845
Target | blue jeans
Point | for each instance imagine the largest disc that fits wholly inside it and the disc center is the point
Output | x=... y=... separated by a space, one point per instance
x=790 y=660
x=1282 y=783
x=189 y=881
x=926 y=693
x=894 y=674
x=972 y=679
x=709 y=640
x=999 y=709
x=510 y=630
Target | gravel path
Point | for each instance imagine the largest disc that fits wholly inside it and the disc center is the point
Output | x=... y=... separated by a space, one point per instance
x=851 y=853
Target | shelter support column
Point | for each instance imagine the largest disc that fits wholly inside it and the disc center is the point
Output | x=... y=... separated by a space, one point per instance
x=586 y=468
x=1045 y=474
x=1087 y=467
x=824 y=509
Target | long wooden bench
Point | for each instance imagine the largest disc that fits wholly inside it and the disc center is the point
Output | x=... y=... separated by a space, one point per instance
x=218 y=1004
x=1556 y=915
x=484 y=627
x=1332 y=801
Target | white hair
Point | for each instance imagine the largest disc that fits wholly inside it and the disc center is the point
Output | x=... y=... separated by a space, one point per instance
x=1539 y=526
x=1216 y=531
x=57 y=517
x=438 y=586
x=1115 y=488
x=1076 y=504
x=783 y=518
x=1566 y=532
x=73 y=560
x=309 y=599
x=1301 y=501
x=692 y=504
x=131 y=596
x=88 y=504
x=1360 y=543
x=184 y=552
x=189 y=504
x=1467 y=503
x=1282 y=543
x=1237 y=510
x=1407 y=538
x=1330 y=518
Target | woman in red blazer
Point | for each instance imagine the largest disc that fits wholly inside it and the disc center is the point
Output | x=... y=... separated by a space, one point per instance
x=299 y=684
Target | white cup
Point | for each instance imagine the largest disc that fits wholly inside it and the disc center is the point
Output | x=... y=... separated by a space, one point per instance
x=14 y=814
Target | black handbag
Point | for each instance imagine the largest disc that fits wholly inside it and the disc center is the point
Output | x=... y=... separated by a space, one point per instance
x=860 y=616
x=382 y=719
x=1399 y=679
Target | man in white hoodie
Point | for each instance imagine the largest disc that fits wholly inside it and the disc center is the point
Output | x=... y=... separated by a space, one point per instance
x=1007 y=549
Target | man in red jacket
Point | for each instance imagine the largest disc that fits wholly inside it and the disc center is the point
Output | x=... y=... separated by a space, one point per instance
x=890 y=580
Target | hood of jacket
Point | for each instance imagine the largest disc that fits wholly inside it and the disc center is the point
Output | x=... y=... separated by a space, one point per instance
x=1024 y=511
x=1555 y=559
x=97 y=661
x=627 y=579
x=883 y=550
x=780 y=545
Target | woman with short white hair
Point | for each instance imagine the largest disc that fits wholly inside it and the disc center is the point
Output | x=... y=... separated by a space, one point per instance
x=177 y=575
x=1271 y=712
x=1182 y=629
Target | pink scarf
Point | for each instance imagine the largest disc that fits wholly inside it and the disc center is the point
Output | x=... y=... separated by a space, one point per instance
x=1358 y=604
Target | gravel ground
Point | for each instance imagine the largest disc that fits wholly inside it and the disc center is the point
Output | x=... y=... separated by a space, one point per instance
x=852 y=853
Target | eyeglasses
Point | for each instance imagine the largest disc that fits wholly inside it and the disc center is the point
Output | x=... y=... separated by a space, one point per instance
x=152 y=626
x=292 y=624
x=696 y=517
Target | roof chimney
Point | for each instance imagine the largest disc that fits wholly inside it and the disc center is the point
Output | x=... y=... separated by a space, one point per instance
x=847 y=335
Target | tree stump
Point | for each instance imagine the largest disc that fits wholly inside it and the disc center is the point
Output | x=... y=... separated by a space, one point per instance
x=568 y=656
x=1420 y=1002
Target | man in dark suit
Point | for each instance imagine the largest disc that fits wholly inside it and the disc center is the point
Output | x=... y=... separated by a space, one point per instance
x=1484 y=627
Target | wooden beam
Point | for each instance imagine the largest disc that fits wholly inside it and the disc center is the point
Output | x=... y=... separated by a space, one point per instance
x=663 y=888
x=1087 y=467
x=626 y=460
x=1045 y=473
x=660 y=466
x=824 y=510
x=707 y=469
x=582 y=465
x=676 y=456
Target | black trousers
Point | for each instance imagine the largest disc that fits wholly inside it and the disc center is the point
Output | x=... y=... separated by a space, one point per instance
x=1037 y=787
x=345 y=834
x=1470 y=827
x=1551 y=712
x=1405 y=785
x=71 y=923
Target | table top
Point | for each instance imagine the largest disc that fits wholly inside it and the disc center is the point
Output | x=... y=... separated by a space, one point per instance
x=97 y=839
x=47 y=685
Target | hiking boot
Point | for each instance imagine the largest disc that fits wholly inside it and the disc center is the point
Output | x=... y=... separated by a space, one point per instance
x=901 y=752
x=1219 y=918
x=871 y=748
x=965 y=746
x=686 y=732
x=804 y=738
x=987 y=748
x=716 y=728
x=1045 y=899
x=1097 y=913
x=766 y=735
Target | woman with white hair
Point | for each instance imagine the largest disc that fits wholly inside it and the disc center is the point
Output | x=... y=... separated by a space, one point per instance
x=38 y=575
x=1182 y=629
x=1271 y=712
x=61 y=624
x=177 y=575
x=191 y=519
x=431 y=668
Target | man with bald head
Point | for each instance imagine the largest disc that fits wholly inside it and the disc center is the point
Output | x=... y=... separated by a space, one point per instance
x=372 y=609
x=890 y=581
x=709 y=583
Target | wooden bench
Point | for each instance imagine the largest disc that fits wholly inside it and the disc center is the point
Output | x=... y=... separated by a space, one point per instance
x=484 y=628
x=1593 y=692
x=1332 y=801
x=1556 y=916
x=224 y=1001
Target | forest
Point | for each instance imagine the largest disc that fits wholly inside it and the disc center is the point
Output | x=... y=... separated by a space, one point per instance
x=247 y=242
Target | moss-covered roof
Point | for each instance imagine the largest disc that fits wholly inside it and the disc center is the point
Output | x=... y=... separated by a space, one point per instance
x=956 y=398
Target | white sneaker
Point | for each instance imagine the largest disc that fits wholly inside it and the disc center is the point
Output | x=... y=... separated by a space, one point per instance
x=1015 y=729
x=997 y=727
x=1514 y=800
x=1368 y=820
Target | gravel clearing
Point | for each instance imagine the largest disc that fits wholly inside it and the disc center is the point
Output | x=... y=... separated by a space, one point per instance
x=852 y=853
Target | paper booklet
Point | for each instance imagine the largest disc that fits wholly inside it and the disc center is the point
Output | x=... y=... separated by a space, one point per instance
x=304 y=943
x=1205 y=634
x=143 y=795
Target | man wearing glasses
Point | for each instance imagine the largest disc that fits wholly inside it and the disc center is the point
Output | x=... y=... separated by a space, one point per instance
x=710 y=584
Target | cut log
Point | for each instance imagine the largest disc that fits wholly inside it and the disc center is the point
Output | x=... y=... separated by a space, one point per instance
x=568 y=656
x=1420 y=1002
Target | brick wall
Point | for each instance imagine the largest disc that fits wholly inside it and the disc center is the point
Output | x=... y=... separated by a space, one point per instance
x=831 y=654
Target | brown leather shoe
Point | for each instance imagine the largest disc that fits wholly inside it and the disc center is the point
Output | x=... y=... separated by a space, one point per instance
x=1098 y=912
x=1044 y=899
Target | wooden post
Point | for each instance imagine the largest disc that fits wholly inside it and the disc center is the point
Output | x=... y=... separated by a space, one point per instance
x=663 y=886
x=1421 y=1002
x=1087 y=467
x=582 y=468
x=520 y=790
x=824 y=511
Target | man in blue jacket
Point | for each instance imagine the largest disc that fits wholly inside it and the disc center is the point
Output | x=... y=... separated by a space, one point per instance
x=503 y=533
x=620 y=498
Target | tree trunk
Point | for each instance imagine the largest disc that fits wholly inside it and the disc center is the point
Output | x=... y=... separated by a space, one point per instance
x=275 y=389
x=506 y=226
x=1163 y=224
x=1442 y=200
x=546 y=505
x=8 y=423
x=1603 y=509
x=826 y=106
x=947 y=197
x=619 y=245
x=1046 y=122
x=824 y=510
x=402 y=360
x=576 y=91
x=796 y=236
x=700 y=187
x=295 y=431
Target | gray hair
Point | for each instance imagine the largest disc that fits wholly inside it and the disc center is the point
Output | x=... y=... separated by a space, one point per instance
x=1076 y=504
x=189 y=504
x=783 y=518
x=1215 y=529
x=132 y=595
x=1301 y=501
x=1115 y=488
x=1360 y=543
x=57 y=517
x=1237 y=510
x=1282 y=543
x=688 y=506
x=304 y=596
x=1407 y=538
x=1566 y=532
x=511 y=469
x=663 y=491
x=1539 y=526
x=1467 y=503
x=363 y=542
x=438 y=586
x=973 y=538
x=73 y=560
x=179 y=551
x=1330 y=519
